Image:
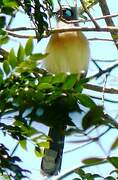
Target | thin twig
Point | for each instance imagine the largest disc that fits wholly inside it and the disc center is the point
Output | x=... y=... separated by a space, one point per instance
x=107 y=100
x=104 y=87
x=100 y=39
x=100 y=89
x=109 y=21
x=108 y=69
x=88 y=13
x=72 y=170
x=102 y=17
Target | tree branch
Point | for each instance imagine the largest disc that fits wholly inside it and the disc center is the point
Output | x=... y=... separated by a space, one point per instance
x=70 y=22
x=90 y=16
x=61 y=30
x=109 y=21
x=100 y=89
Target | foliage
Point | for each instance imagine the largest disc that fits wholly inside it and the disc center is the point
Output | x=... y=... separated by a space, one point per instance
x=9 y=165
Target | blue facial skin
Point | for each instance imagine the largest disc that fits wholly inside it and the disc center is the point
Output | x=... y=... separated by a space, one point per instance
x=67 y=14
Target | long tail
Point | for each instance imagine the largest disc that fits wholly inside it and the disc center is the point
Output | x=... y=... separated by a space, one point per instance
x=51 y=162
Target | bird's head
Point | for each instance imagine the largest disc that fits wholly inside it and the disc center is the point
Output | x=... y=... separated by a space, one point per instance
x=66 y=14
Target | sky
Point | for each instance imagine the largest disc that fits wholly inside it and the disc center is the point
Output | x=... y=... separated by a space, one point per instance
x=99 y=50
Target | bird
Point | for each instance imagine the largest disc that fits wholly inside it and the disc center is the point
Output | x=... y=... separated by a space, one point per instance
x=68 y=52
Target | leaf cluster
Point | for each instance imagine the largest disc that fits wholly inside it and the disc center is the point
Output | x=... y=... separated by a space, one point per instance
x=38 y=12
x=8 y=165
x=9 y=8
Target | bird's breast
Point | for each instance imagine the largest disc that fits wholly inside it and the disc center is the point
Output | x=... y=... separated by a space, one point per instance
x=67 y=52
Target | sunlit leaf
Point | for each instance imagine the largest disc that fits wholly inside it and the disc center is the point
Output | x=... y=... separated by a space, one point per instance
x=10 y=3
x=59 y=78
x=23 y=144
x=29 y=47
x=37 y=56
x=38 y=152
x=6 y=67
x=70 y=81
x=12 y=59
x=45 y=86
x=44 y=144
x=20 y=53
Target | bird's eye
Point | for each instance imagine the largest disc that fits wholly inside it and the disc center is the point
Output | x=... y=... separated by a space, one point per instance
x=67 y=14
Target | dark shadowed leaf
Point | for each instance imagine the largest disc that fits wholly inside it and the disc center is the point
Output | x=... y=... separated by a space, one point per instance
x=93 y=117
x=2 y=21
x=86 y=100
x=113 y=161
x=110 y=178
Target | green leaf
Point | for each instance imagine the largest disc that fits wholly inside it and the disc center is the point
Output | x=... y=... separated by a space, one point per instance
x=26 y=66
x=114 y=171
x=59 y=78
x=3 y=37
x=37 y=56
x=38 y=152
x=44 y=144
x=92 y=160
x=80 y=172
x=20 y=53
x=45 y=86
x=6 y=67
x=10 y=3
x=29 y=47
x=110 y=178
x=70 y=81
x=23 y=144
x=12 y=59
x=93 y=117
x=86 y=100
x=2 y=21
x=46 y=79
x=113 y=161
x=1 y=76
x=115 y=144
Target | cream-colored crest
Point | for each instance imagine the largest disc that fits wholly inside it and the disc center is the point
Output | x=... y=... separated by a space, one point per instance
x=67 y=51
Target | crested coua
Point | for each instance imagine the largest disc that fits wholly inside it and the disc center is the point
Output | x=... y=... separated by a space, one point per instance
x=68 y=52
